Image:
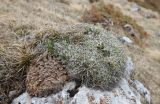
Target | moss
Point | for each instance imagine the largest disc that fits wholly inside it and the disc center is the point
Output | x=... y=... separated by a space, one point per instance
x=98 y=61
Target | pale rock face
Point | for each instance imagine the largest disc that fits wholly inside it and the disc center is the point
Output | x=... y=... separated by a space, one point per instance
x=124 y=93
x=129 y=68
x=132 y=32
x=126 y=40
x=142 y=90
x=135 y=8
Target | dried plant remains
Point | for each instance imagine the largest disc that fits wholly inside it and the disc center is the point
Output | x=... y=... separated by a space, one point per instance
x=46 y=75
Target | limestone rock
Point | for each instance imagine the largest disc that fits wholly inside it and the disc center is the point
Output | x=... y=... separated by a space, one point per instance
x=126 y=40
x=122 y=94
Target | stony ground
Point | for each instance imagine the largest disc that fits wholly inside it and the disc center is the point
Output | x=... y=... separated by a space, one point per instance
x=22 y=18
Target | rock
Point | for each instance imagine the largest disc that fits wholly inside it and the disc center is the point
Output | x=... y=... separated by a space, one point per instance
x=142 y=90
x=128 y=27
x=46 y=75
x=123 y=94
x=52 y=99
x=132 y=32
x=149 y=15
x=135 y=8
x=12 y=93
x=40 y=49
x=22 y=99
x=27 y=38
x=129 y=68
x=126 y=40
x=120 y=95
x=2 y=97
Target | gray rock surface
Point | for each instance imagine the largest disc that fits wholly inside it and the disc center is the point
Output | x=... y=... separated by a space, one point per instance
x=126 y=40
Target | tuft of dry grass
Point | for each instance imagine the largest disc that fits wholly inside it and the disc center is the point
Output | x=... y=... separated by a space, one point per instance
x=14 y=61
x=18 y=54
x=107 y=14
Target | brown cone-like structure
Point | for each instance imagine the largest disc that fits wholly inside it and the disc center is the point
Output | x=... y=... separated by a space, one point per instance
x=46 y=75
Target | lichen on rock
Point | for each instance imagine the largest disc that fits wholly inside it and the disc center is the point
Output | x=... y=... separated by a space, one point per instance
x=90 y=54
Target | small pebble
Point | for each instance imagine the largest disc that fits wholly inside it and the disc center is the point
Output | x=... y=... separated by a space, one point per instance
x=12 y=93
x=135 y=8
x=126 y=40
